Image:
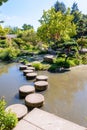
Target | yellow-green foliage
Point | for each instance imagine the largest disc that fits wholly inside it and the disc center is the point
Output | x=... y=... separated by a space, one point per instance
x=56 y=26
x=8 y=120
x=8 y=53
x=40 y=66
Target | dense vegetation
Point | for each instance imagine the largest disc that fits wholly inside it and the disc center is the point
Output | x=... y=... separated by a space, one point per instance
x=64 y=30
x=8 y=120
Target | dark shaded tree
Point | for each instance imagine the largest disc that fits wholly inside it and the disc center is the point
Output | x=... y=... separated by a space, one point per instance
x=60 y=7
x=74 y=8
x=27 y=26
x=75 y=12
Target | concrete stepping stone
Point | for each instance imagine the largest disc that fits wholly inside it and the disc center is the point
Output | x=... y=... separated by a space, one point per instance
x=25 y=90
x=27 y=71
x=49 y=121
x=29 y=64
x=24 y=125
x=30 y=68
x=30 y=76
x=19 y=109
x=41 y=85
x=34 y=100
x=22 y=67
x=41 y=78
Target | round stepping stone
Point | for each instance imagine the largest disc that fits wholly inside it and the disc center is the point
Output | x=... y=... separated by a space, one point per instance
x=30 y=68
x=34 y=100
x=27 y=71
x=25 y=90
x=29 y=64
x=41 y=78
x=31 y=75
x=41 y=85
x=22 y=67
x=19 y=109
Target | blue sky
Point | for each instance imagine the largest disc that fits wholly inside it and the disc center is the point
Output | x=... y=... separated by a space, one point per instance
x=17 y=12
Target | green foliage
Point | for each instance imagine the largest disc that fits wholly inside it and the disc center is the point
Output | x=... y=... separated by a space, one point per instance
x=27 y=27
x=56 y=26
x=60 y=7
x=3 y=31
x=59 y=62
x=9 y=53
x=8 y=120
x=84 y=59
x=53 y=68
x=19 y=42
x=29 y=36
x=3 y=43
x=82 y=42
x=40 y=66
x=74 y=8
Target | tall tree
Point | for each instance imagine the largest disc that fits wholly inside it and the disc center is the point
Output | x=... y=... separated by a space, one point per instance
x=56 y=26
x=74 y=8
x=75 y=12
x=59 y=6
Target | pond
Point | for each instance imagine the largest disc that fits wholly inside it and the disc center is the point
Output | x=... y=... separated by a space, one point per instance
x=65 y=97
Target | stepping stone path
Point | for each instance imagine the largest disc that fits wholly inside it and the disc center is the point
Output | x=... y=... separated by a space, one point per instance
x=22 y=67
x=29 y=64
x=41 y=85
x=19 y=109
x=27 y=71
x=30 y=68
x=41 y=78
x=34 y=100
x=25 y=90
x=30 y=76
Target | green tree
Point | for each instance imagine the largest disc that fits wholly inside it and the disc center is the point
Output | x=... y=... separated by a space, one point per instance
x=74 y=8
x=56 y=26
x=59 y=6
x=3 y=31
x=27 y=26
x=76 y=13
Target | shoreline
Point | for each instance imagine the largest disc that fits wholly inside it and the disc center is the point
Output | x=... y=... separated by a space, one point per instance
x=77 y=67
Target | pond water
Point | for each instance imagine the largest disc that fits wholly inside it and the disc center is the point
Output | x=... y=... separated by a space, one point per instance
x=65 y=97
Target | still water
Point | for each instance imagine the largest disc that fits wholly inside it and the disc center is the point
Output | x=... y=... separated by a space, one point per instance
x=65 y=97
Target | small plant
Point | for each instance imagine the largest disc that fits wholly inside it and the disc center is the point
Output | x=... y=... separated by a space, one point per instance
x=8 y=120
x=40 y=66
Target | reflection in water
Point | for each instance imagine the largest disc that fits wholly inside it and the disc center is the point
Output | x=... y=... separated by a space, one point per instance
x=65 y=97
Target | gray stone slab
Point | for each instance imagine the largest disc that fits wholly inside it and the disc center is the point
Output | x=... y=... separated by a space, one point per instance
x=24 y=125
x=49 y=121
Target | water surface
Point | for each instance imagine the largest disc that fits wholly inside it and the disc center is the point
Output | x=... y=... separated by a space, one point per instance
x=65 y=97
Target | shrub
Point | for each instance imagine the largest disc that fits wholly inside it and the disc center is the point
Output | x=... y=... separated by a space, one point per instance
x=8 y=120
x=40 y=66
x=8 y=53
x=37 y=65
x=59 y=62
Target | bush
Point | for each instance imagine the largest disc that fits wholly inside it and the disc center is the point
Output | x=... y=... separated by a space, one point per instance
x=8 y=120
x=59 y=62
x=40 y=66
x=54 y=68
x=8 y=53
